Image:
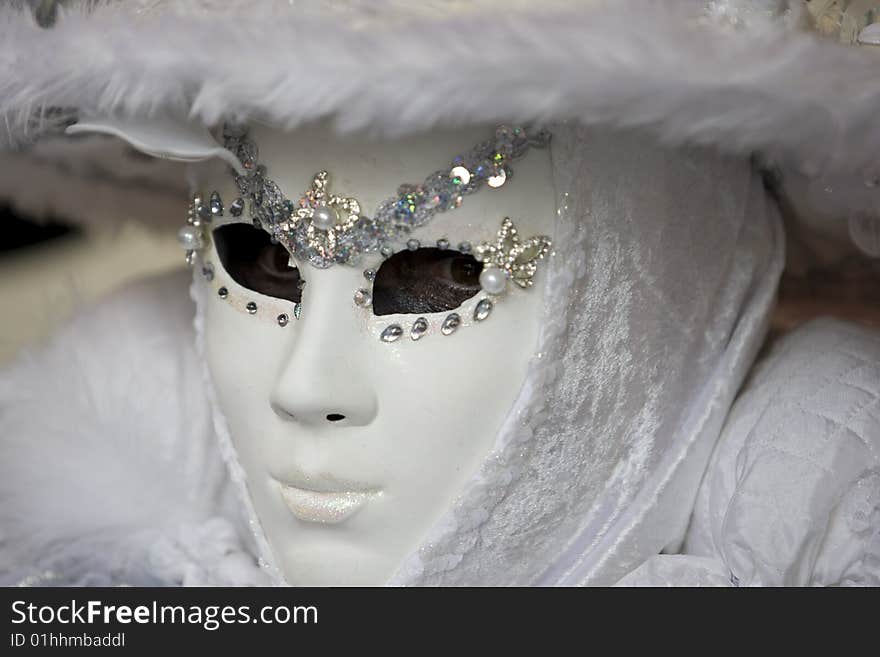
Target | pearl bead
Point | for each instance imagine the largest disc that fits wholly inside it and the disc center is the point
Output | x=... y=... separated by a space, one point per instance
x=190 y=238
x=493 y=280
x=324 y=217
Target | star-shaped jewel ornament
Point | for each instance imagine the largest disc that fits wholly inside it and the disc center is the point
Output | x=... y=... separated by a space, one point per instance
x=326 y=218
x=510 y=258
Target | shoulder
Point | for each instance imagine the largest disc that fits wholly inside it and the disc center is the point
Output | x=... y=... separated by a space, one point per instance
x=792 y=495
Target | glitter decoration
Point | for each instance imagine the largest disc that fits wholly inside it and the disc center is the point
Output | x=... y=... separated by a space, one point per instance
x=516 y=257
x=251 y=307
x=321 y=227
x=326 y=229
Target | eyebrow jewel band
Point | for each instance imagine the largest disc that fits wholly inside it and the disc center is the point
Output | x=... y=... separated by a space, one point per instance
x=325 y=228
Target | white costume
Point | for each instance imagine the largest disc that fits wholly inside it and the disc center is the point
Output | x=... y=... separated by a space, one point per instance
x=644 y=446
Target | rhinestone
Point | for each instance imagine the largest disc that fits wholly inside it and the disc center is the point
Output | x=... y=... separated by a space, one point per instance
x=363 y=298
x=222 y=293
x=297 y=310
x=370 y=274
x=208 y=272
x=391 y=333
x=413 y=244
x=498 y=179
x=271 y=193
x=483 y=309
x=419 y=328
x=283 y=319
x=450 y=324
x=190 y=237
x=465 y=247
x=204 y=211
x=237 y=207
x=460 y=175
x=395 y=217
x=443 y=244
x=190 y=258
x=251 y=307
x=216 y=205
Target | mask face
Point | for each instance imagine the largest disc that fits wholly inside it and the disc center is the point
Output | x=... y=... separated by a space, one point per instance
x=354 y=446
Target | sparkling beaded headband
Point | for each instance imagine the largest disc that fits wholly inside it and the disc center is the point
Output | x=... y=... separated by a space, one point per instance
x=327 y=229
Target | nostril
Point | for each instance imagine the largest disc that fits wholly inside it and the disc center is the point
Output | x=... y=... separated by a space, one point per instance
x=335 y=417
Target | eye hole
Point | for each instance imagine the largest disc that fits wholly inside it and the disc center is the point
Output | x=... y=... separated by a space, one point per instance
x=252 y=261
x=426 y=280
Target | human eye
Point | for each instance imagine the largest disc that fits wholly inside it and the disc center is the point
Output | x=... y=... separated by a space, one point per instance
x=425 y=280
x=253 y=261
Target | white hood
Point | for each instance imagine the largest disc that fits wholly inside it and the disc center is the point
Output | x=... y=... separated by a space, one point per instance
x=656 y=304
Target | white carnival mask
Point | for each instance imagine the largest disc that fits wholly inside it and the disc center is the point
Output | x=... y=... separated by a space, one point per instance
x=360 y=398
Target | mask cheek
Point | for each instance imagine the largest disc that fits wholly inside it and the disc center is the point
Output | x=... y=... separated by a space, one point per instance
x=442 y=401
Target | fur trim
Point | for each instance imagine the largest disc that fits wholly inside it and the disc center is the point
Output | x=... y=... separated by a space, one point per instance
x=75 y=425
x=663 y=65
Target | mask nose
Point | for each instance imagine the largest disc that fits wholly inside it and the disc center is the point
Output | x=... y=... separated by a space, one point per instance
x=324 y=380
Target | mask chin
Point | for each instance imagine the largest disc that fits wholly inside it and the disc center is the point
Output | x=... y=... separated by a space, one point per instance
x=351 y=447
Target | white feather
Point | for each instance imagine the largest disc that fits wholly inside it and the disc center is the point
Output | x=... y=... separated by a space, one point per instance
x=763 y=86
x=109 y=469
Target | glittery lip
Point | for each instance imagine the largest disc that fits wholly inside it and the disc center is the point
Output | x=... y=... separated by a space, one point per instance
x=325 y=502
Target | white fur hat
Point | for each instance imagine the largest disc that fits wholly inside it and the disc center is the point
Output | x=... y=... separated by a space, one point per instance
x=745 y=75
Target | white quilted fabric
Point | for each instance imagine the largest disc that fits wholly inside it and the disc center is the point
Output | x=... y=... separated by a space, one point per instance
x=792 y=495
